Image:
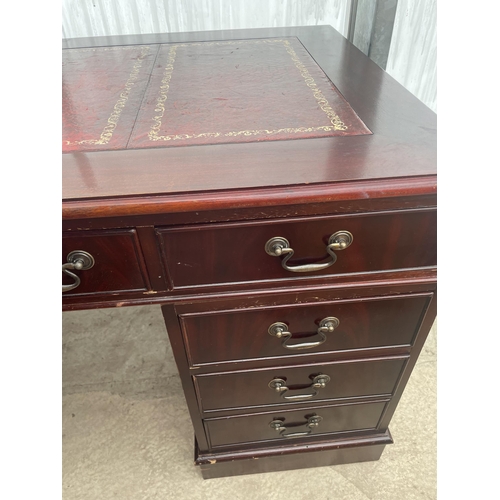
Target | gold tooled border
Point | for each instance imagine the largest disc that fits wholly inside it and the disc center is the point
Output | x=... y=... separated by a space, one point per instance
x=108 y=130
x=336 y=122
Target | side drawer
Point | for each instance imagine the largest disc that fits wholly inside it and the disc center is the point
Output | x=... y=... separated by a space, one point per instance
x=118 y=262
x=230 y=253
x=244 y=334
x=290 y=425
x=254 y=388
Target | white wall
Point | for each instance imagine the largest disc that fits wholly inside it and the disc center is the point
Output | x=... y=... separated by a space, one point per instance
x=413 y=53
x=83 y=18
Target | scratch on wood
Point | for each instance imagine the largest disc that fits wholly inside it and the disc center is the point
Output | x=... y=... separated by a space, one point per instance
x=150 y=292
x=213 y=461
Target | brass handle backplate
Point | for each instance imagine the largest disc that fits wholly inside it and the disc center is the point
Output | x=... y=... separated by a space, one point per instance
x=280 y=330
x=280 y=247
x=311 y=423
x=77 y=260
x=279 y=385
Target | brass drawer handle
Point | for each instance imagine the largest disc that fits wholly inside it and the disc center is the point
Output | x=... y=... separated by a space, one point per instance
x=77 y=260
x=311 y=423
x=279 y=246
x=279 y=385
x=280 y=330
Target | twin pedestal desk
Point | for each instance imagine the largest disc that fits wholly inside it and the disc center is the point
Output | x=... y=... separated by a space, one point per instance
x=274 y=191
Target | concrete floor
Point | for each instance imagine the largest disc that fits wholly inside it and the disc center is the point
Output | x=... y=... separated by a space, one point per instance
x=127 y=434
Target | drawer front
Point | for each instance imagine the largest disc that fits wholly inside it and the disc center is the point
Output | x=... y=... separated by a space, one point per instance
x=233 y=253
x=296 y=424
x=347 y=379
x=118 y=262
x=244 y=334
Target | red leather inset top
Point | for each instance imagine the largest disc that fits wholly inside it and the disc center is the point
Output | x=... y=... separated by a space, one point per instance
x=199 y=93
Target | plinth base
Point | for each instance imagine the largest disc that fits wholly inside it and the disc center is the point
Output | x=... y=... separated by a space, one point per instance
x=290 y=457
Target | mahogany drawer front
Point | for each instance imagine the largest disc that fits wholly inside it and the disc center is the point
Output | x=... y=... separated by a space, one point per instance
x=118 y=263
x=237 y=335
x=347 y=379
x=333 y=419
x=235 y=252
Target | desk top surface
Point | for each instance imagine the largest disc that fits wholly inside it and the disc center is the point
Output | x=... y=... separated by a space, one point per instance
x=222 y=112
x=191 y=94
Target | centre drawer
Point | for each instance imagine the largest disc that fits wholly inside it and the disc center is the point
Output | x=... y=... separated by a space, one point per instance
x=230 y=253
x=297 y=384
x=294 y=424
x=296 y=329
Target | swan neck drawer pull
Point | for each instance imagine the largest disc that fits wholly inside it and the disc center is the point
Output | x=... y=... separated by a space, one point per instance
x=311 y=423
x=280 y=247
x=279 y=385
x=77 y=260
x=280 y=330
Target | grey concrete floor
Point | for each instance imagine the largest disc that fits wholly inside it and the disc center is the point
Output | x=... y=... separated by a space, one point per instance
x=127 y=434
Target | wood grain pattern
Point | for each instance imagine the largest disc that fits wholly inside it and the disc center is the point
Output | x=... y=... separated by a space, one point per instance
x=242 y=334
x=254 y=428
x=346 y=197
x=119 y=265
x=420 y=279
x=222 y=303
x=198 y=255
x=151 y=252
x=349 y=379
x=419 y=343
x=185 y=228
x=402 y=144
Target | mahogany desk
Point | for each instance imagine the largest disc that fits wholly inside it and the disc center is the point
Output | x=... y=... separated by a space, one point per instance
x=275 y=192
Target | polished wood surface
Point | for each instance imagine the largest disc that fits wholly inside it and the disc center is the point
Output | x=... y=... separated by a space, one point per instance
x=394 y=379
x=198 y=255
x=239 y=335
x=119 y=265
x=349 y=379
x=292 y=456
x=254 y=428
x=402 y=144
x=256 y=204
x=422 y=279
x=185 y=227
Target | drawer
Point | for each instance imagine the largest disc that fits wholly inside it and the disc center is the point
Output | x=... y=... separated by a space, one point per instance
x=244 y=334
x=290 y=425
x=236 y=252
x=118 y=263
x=253 y=388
